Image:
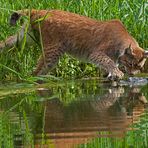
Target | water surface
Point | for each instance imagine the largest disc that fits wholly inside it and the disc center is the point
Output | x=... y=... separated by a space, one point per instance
x=84 y=113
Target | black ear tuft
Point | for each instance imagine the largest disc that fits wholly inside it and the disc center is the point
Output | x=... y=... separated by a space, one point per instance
x=129 y=50
x=14 y=18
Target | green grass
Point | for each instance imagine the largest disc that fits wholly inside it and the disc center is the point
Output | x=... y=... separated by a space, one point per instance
x=16 y=65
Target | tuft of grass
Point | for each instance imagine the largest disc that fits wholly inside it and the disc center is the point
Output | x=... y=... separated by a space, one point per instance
x=133 y=13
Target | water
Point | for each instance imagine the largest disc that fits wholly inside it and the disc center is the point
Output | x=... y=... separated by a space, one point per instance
x=85 y=114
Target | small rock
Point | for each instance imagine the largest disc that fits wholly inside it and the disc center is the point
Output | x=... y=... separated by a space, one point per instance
x=134 y=81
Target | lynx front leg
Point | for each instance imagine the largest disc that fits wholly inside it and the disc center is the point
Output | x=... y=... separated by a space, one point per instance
x=48 y=61
x=108 y=64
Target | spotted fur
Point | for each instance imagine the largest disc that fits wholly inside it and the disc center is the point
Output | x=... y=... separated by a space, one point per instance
x=104 y=43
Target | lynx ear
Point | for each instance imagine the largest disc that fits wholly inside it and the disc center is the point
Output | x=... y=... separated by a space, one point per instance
x=129 y=50
x=146 y=54
x=14 y=18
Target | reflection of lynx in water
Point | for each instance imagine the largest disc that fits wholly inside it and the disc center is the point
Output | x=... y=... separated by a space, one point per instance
x=114 y=112
x=102 y=43
x=108 y=99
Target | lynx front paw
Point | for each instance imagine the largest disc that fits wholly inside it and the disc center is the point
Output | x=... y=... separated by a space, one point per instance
x=115 y=75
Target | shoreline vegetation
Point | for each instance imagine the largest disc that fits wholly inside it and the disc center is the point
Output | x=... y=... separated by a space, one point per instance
x=17 y=63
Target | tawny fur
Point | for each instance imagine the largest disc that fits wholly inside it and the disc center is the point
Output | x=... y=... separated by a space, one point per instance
x=103 y=43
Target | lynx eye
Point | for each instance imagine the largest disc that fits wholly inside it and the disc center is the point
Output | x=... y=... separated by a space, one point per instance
x=130 y=64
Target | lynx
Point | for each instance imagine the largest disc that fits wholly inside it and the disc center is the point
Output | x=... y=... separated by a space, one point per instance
x=104 y=43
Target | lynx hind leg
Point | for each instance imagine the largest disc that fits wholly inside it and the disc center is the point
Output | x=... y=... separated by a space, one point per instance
x=107 y=64
x=48 y=61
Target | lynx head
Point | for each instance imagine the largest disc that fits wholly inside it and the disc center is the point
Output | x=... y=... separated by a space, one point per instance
x=133 y=59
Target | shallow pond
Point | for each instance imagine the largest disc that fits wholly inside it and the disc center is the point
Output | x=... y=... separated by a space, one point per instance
x=82 y=113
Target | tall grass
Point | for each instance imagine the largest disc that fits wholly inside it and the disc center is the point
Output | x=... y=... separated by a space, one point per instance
x=15 y=64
